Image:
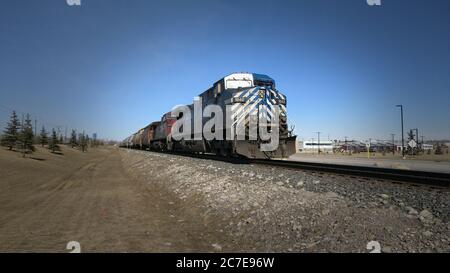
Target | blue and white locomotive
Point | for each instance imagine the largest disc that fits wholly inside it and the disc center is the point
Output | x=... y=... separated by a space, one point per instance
x=247 y=95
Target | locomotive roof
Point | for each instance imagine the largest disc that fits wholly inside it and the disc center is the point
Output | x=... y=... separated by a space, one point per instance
x=253 y=76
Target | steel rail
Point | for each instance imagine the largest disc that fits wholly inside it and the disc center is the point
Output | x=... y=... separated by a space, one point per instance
x=439 y=179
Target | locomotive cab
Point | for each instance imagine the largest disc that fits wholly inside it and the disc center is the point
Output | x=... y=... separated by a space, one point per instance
x=263 y=81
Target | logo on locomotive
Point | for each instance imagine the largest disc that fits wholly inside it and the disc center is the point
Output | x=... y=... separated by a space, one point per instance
x=253 y=122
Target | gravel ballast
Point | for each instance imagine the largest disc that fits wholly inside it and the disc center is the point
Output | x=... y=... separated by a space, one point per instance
x=268 y=209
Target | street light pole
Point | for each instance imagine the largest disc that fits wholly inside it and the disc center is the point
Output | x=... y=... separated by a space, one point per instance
x=318 y=143
x=403 y=136
x=417 y=140
x=393 y=144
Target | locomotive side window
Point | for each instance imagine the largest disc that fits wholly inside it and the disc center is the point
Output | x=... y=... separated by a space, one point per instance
x=210 y=93
x=218 y=88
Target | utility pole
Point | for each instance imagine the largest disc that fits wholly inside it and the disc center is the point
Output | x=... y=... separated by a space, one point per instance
x=403 y=136
x=393 y=144
x=318 y=143
x=22 y=138
x=346 y=145
x=82 y=142
x=58 y=128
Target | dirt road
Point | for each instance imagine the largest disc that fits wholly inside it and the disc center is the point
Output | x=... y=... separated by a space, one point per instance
x=50 y=200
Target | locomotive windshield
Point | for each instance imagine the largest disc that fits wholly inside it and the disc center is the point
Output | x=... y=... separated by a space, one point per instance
x=263 y=80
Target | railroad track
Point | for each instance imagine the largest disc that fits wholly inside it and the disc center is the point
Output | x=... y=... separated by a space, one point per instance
x=441 y=180
x=433 y=179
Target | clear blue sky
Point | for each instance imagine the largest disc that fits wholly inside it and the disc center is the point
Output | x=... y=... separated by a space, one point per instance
x=113 y=66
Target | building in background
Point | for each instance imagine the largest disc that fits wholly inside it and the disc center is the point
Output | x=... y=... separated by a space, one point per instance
x=312 y=146
x=427 y=147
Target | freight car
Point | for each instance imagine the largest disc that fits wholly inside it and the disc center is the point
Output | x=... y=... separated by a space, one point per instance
x=162 y=134
x=148 y=135
x=247 y=95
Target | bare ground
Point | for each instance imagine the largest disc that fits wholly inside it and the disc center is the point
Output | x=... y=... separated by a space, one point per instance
x=89 y=198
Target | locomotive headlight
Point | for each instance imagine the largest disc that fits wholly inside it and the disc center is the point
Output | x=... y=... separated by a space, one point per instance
x=262 y=93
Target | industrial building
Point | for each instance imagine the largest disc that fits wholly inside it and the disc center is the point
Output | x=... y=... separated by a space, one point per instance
x=312 y=146
x=356 y=146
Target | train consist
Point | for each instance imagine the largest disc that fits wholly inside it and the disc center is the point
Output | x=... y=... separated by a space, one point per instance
x=248 y=95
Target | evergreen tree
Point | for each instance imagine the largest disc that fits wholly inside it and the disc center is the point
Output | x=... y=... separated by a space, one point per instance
x=43 y=137
x=438 y=150
x=27 y=135
x=10 y=134
x=61 y=141
x=83 y=142
x=73 y=139
x=54 y=142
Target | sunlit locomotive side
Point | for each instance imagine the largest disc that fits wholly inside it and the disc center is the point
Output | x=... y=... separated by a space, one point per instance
x=247 y=95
